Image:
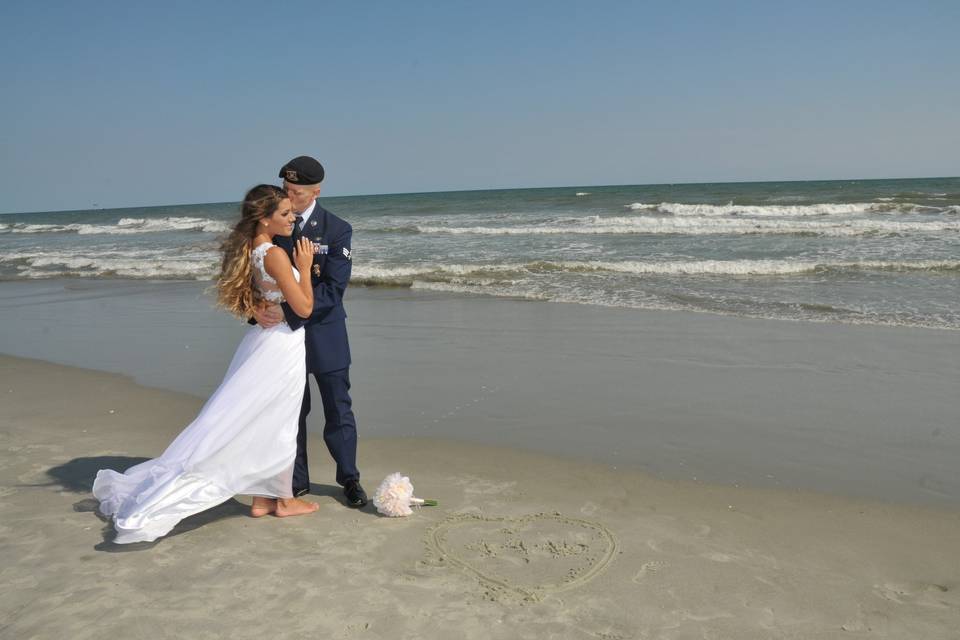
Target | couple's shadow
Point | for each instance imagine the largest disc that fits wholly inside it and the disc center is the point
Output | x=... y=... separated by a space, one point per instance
x=78 y=474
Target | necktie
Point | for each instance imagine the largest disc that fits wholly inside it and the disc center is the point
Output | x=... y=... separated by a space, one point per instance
x=296 y=230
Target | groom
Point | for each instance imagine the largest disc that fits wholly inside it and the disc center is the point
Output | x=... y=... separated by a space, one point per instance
x=328 y=352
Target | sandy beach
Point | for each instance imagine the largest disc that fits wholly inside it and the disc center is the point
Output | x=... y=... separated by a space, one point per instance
x=523 y=545
x=656 y=304
x=859 y=411
x=602 y=473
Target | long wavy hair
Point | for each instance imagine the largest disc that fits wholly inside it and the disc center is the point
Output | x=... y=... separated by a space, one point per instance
x=235 y=291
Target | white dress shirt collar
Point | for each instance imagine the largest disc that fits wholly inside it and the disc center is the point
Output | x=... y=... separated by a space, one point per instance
x=306 y=214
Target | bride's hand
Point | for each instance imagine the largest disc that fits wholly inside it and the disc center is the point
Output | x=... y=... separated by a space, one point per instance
x=267 y=315
x=303 y=254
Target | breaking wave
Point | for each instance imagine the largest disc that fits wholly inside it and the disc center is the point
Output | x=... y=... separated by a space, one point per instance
x=702 y=225
x=407 y=276
x=779 y=210
x=204 y=266
x=123 y=226
x=146 y=265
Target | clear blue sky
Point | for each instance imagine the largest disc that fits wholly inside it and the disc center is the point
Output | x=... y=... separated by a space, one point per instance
x=141 y=103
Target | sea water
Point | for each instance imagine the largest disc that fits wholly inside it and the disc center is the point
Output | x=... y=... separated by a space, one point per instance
x=852 y=251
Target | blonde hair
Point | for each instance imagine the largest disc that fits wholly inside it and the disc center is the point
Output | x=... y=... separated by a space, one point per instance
x=235 y=291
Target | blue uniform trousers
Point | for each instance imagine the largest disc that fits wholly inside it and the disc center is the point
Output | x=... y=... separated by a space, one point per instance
x=339 y=429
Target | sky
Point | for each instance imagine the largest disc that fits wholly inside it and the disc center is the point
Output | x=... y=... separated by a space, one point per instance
x=140 y=103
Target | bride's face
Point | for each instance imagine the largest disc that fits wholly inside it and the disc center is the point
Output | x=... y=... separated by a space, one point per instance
x=281 y=221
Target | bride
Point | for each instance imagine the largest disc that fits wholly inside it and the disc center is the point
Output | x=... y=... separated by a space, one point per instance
x=245 y=438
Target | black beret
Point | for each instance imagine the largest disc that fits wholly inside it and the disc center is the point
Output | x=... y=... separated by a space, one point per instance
x=302 y=170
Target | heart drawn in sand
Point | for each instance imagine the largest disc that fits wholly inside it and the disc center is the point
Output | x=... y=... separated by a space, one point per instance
x=530 y=556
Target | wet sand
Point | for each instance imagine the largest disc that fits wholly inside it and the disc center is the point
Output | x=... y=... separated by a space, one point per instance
x=523 y=544
x=861 y=411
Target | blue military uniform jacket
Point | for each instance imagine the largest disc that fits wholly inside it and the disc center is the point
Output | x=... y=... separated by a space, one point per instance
x=326 y=328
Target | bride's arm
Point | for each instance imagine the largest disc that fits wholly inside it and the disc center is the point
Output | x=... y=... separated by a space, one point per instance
x=299 y=295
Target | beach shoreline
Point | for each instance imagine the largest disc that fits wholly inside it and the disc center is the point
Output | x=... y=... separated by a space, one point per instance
x=862 y=411
x=522 y=544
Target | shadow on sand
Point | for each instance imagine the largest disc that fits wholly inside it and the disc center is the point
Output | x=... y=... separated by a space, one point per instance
x=77 y=476
x=336 y=492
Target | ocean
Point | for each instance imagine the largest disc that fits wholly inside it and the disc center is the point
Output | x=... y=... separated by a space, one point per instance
x=884 y=252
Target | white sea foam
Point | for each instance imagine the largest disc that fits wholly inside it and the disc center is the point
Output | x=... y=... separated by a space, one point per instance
x=381 y=271
x=700 y=225
x=23 y=227
x=123 y=227
x=408 y=275
x=125 y=264
x=854 y=226
x=145 y=225
x=752 y=267
x=812 y=313
x=775 y=210
x=583 y=193
x=202 y=264
x=680 y=267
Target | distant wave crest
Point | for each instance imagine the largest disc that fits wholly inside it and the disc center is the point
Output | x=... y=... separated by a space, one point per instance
x=204 y=265
x=753 y=267
x=406 y=276
x=155 y=265
x=123 y=226
x=778 y=210
x=703 y=225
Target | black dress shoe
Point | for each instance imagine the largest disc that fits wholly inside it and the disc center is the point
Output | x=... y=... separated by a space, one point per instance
x=356 y=496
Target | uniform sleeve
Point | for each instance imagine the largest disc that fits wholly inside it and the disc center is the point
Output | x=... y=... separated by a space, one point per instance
x=293 y=320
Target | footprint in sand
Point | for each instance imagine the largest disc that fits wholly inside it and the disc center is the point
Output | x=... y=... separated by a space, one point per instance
x=530 y=556
x=936 y=596
x=607 y=635
x=647 y=569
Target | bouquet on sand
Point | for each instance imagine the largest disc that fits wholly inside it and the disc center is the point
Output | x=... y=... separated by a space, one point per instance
x=394 y=497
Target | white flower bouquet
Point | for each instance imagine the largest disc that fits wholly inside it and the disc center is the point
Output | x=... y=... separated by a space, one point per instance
x=394 y=497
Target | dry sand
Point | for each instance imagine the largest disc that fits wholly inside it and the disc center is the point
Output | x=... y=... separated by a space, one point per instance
x=522 y=545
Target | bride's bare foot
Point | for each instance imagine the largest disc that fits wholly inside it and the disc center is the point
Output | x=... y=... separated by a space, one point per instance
x=294 y=507
x=263 y=507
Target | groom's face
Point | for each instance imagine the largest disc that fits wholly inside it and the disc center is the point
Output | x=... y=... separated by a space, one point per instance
x=301 y=195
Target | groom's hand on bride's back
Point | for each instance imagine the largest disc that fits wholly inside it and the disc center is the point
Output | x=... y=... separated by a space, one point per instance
x=268 y=315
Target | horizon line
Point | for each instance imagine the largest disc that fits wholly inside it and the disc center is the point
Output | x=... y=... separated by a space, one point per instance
x=409 y=193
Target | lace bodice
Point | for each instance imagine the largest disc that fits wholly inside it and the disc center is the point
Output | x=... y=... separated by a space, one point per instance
x=262 y=281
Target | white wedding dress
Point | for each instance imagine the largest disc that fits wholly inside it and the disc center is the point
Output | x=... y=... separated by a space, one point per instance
x=243 y=441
